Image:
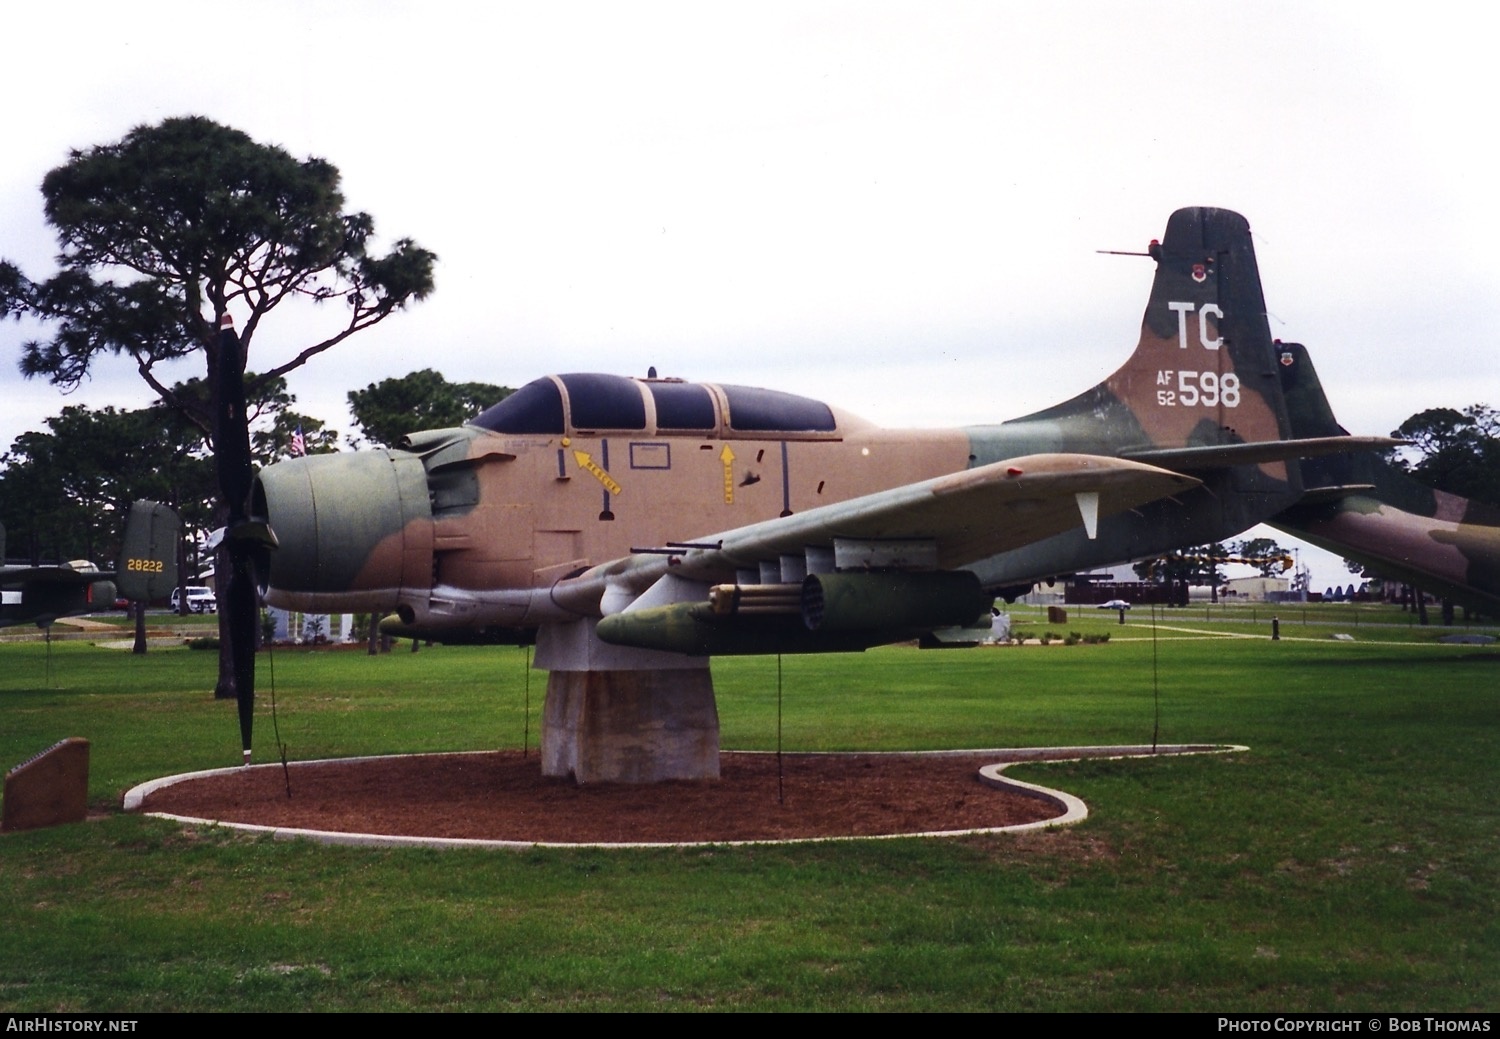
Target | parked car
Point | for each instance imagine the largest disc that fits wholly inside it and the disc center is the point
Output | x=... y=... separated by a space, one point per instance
x=1114 y=604
x=199 y=599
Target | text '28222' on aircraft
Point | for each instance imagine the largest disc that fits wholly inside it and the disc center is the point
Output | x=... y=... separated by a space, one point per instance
x=147 y=570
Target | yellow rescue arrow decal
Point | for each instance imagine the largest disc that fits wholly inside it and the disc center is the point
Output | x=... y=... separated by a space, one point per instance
x=592 y=468
x=727 y=457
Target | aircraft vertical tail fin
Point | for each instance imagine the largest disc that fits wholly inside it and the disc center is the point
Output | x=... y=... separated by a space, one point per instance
x=148 y=557
x=1198 y=395
x=1307 y=405
x=1365 y=473
x=1370 y=472
x=1203 y=372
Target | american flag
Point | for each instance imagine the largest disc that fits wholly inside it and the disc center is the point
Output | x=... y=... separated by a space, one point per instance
x=298 y=446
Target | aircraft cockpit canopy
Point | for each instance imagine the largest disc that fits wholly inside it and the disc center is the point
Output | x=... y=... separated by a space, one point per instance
x=589 y=403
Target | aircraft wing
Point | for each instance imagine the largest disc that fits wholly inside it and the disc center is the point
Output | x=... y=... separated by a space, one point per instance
x=55 y=575
x=943 y=523
x=41 y=594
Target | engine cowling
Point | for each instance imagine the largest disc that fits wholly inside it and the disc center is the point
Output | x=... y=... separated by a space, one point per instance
x=355 y=531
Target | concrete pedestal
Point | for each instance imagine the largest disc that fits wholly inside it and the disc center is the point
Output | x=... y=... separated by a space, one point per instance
x=619 y=715
x=630 y=726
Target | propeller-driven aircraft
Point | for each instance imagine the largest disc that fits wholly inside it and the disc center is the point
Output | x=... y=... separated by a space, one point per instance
x=1365 y=509
x=636 y=526
x=148 y=570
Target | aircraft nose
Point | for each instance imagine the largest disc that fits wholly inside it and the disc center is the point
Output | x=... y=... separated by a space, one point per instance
x=355 y=530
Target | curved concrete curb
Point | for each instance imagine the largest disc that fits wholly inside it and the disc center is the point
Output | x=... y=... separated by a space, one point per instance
x=162 y=642
x=1072 y=808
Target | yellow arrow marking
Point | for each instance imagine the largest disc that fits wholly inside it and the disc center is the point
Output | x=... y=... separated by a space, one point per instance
x=727 y=457
x=592 y=468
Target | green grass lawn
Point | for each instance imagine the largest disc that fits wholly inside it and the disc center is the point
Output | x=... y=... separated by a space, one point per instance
x=1348 y=861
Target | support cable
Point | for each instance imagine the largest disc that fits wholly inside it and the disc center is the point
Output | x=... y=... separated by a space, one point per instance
x=1155 y=686
x=286 y=772
x=780 y=790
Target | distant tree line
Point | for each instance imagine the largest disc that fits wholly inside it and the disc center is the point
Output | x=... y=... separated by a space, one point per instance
x=1456 y=451
x=64 y=490
x=1453 y=451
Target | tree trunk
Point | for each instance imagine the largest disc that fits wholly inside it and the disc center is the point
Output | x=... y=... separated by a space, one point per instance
x=139 y=608
x=182 y=576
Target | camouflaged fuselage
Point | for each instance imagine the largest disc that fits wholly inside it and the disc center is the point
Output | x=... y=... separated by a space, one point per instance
x=1363 y=508
x=475 y=526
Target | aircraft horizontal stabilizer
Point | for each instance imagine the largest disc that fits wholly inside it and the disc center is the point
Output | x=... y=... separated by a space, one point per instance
x=1323 y=495
x=1222 y=456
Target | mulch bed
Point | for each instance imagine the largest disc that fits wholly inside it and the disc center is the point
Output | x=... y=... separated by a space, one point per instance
x=503 y=796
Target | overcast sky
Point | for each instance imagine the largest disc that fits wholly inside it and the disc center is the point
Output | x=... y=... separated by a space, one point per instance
x=892 y=207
